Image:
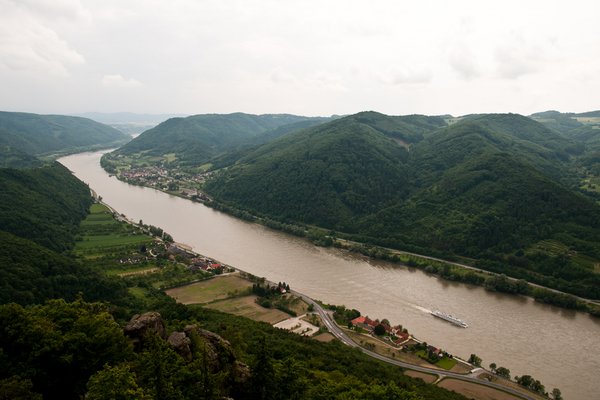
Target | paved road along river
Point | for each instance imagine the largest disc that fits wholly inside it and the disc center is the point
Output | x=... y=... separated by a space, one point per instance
x=558 y=347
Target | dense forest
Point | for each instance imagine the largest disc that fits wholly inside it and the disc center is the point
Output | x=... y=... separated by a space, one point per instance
x=489 y=187
x=25 y=134
x=64 y=330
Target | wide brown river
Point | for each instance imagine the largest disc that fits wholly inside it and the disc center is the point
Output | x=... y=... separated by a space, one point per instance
x=560 y=348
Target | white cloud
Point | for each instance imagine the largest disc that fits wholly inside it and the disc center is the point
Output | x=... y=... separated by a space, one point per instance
x=518 y=57
x=408 y=76
x=279 y=75
x=28 y=44
x=71 y=10
x=118 y=81
x=464 y=63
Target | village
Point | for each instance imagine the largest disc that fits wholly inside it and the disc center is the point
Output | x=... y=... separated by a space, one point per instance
x=172 y=181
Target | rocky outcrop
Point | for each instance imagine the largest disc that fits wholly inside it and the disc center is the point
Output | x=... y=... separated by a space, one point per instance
x=192 y=342
x=241 y=373
x=218 y=350
x=181 y=344
x=144 y=324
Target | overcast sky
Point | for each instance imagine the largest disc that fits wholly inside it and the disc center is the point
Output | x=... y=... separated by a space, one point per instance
x=301 y=57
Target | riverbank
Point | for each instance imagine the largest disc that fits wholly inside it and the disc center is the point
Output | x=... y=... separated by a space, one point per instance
x=445 y=269
x=238 y=285
x=234 y=293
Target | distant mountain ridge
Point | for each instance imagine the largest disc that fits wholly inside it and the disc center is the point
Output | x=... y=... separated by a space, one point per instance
x=128 y=117
x=35 y=135
x=198 y=138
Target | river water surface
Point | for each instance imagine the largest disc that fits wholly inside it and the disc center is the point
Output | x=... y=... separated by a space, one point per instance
x=560 y=348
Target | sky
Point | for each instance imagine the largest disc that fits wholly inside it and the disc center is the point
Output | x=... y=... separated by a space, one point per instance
x=301 y=57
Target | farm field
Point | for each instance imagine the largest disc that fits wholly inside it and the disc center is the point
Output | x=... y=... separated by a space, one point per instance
x=218 y=288
x=475 y=391
x=100 y=234
x=247 y=307
x=425 y=377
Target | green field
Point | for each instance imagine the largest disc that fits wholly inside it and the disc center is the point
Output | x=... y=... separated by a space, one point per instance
x=446 y=363
x=115 y=240
x=550 y=247
x=218 y=288
x=555 y=248
x=100 y=234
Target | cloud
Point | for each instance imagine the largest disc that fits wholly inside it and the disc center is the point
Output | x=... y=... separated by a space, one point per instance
x=28 y=44
x=71 y=10
x=408 y=76
x=279 y=75
x=517 y=57
x=118 y=81
x=463 y=63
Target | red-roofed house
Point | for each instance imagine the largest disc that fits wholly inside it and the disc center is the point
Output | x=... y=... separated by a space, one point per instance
x=402 y=337
x=364 y=322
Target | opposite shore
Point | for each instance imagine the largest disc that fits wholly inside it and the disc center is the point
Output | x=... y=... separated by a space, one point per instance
x=445 y=269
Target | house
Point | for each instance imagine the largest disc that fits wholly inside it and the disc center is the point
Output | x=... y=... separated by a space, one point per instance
x=401 y=337
x=364 y=322
x=434 y=350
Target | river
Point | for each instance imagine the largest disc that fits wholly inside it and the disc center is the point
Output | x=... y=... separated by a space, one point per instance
x=558 y=347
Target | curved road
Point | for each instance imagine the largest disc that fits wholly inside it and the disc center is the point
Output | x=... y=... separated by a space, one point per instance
x=335 y=330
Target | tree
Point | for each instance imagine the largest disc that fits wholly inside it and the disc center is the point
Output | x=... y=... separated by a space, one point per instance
x=556 y=394
x=114 y=383
x=493 y=367
x=263 y=373
x=16 y=388
x=525 y=380
x=158 y=369
x=503 y=372
x=379 y=330
x=290 y=379
x=476 y=361
x=537 y=386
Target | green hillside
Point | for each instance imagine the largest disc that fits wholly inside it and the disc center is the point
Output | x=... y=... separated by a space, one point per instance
x=325 y=175
x=13 y=158
x=43 y=204
x=584 y=130
x=35 y=134
x=488 y=187
x=40 y=213
x=198 y=138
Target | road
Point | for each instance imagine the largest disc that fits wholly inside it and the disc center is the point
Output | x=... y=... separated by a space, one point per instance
x=336 y=331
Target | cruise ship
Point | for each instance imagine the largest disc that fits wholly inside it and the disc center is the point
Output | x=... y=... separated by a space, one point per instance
x=449 y=318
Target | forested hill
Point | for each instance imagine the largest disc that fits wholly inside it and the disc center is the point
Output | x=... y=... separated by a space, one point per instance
x=34 y=134
x=487 y=186
x=584 y=129
x=40 y=213
x=326 y=175
x=198 y=138
x=14 y=158
x=43 y=204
